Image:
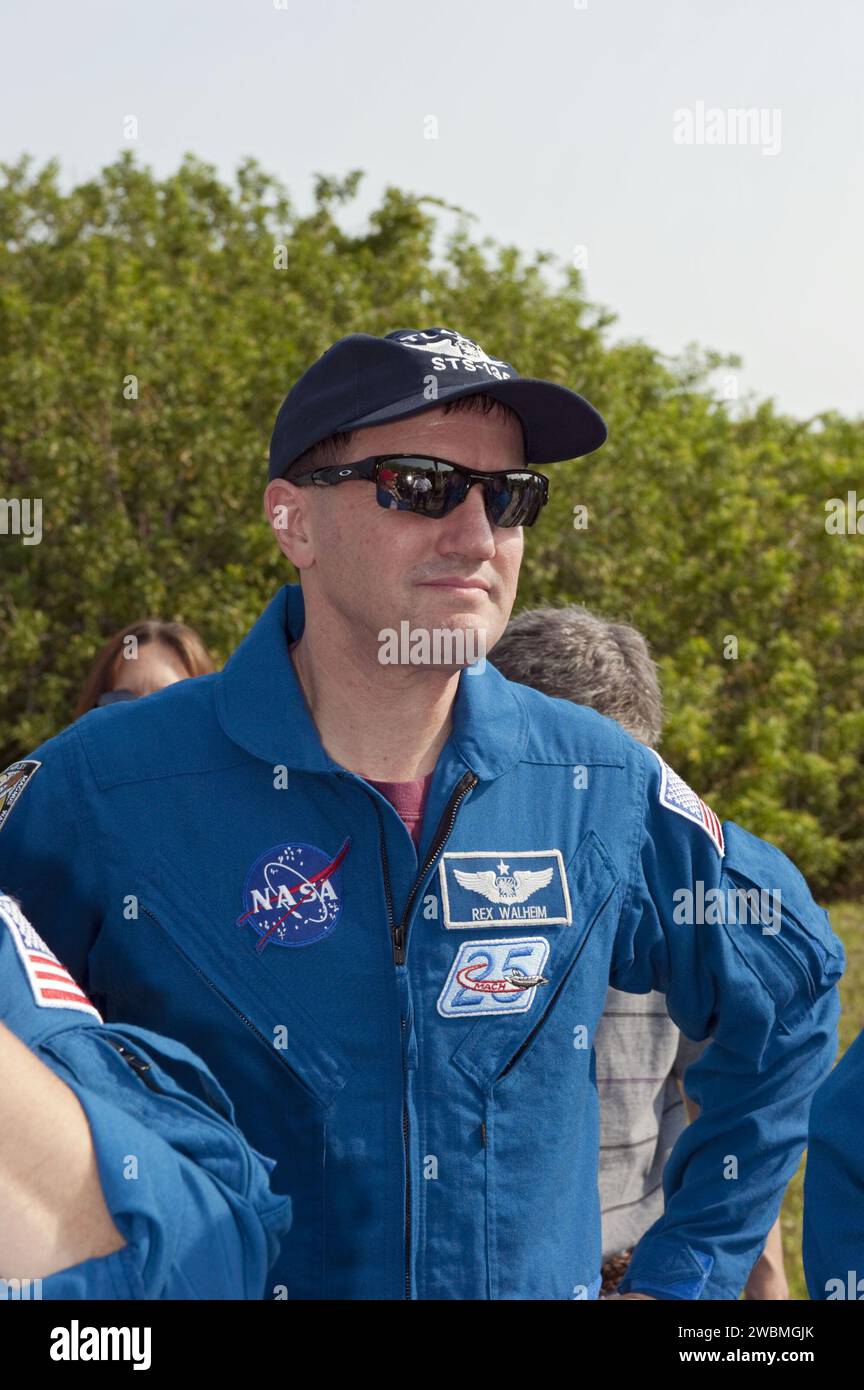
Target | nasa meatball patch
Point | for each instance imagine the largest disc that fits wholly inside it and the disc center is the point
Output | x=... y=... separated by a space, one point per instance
x=497 y=888
x=12 y=783
x=293 y=895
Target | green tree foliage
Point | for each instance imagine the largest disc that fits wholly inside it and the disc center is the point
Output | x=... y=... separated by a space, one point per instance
x=705 y=522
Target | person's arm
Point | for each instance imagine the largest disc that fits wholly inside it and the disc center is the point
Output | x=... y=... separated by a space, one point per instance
x=834 y=1183
x=123 y=1173
x=764 y=993
x=189 y=1194
x=124 y=1190
x=52 y=1208
x=767 y=1279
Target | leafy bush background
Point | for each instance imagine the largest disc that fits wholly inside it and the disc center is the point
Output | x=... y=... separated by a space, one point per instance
x=703 y=521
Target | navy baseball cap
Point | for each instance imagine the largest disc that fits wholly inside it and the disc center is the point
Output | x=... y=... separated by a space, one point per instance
x=363 y=380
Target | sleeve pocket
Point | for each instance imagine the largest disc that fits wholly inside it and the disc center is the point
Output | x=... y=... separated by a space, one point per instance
x=785 y=938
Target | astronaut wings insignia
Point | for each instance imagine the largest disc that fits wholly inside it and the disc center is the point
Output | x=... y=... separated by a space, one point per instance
x=504 y=887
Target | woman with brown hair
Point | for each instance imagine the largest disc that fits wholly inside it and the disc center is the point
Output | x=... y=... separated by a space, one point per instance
x=140 y=658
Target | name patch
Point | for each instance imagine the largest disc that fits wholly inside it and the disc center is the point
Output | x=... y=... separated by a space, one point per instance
x=491 y=888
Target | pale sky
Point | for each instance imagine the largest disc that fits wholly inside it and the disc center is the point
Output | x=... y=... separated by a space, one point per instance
x=555 y=126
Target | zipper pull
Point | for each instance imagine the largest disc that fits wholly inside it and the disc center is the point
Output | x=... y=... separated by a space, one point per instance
x=409 y=1041
x=412 y=1057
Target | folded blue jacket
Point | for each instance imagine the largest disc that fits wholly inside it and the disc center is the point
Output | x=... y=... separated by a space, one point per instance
x=410 y=1035
x=187 y=1194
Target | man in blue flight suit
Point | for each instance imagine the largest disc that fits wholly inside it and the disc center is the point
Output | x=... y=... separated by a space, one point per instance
x=122 y=1173
x=383 y=891
x=834 y=1183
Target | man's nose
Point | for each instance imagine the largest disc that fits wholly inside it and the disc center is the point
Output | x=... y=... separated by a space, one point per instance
x=467 y=529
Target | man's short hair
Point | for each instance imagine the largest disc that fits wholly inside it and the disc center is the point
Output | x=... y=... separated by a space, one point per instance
x=573 y=654
x=330 y=452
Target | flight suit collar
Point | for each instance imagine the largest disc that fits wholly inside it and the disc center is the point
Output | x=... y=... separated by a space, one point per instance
x=261 y=705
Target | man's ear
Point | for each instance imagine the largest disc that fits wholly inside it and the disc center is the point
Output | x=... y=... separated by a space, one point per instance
x=287 y=510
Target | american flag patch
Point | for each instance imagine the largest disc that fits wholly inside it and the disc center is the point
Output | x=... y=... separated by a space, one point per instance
x=51 y=983
x=677 y=796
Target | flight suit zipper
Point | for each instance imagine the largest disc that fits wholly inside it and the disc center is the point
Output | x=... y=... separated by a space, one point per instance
x=138 y=1065
x=399 y=938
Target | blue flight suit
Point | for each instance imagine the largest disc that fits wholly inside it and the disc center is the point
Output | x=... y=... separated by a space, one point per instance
x=184 y=1189
x=411 y=1035
x=834 y=1183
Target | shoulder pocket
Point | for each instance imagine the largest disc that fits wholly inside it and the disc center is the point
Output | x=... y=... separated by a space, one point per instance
x=178 y=1067
x=785 y=938
x=110 y=1063
x=492 y=1047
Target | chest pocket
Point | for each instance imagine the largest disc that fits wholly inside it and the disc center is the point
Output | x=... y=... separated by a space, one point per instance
x=491 y=1049
x=244 y=982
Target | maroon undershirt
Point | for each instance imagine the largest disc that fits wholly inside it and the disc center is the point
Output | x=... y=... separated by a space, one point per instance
x=408 y=798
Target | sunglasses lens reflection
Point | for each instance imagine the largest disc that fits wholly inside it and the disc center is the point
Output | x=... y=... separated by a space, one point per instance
x=433 y=487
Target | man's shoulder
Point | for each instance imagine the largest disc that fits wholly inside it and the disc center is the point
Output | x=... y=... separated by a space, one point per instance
x=173 y=731
x=562 y=732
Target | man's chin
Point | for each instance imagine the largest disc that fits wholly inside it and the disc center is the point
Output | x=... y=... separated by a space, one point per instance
x=481 y=621
x=445 y=635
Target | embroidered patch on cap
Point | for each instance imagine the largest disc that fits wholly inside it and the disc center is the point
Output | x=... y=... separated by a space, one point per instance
x=12 y=784
x=293 y=895
x=52 y=985
x=450 y=351
x=494 y=978
x=676 y=796
x=491 y=888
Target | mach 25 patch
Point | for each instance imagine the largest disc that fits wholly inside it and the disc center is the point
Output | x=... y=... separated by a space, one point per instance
x=12 y=783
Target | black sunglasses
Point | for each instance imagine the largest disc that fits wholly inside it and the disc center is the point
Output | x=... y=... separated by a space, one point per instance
x=433 y=487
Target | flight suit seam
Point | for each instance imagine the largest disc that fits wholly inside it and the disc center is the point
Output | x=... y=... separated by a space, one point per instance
x=638 y=827
x=140 y=779
x=598 y=761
